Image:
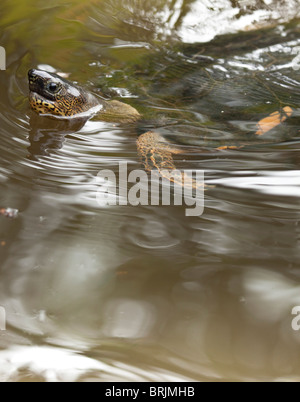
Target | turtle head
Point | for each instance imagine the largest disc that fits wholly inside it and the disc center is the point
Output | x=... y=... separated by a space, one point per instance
x=52 y=94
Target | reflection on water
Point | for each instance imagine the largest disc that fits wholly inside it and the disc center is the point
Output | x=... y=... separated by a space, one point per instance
x=144 y=293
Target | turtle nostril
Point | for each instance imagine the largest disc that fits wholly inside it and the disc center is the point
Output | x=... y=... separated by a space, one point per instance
x=31 y=73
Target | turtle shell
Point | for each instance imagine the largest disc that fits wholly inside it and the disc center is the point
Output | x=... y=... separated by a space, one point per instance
x=239 y=88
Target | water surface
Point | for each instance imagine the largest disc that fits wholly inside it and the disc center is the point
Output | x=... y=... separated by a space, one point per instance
x=145 y=293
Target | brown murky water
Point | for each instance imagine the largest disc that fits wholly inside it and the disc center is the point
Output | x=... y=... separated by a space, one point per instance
x=145 y=293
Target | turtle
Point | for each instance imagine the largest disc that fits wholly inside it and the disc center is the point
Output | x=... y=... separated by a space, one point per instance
x=52 y=95
x=233 y=105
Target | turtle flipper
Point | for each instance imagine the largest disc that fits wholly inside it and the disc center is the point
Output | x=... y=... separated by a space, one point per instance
x=157 y=154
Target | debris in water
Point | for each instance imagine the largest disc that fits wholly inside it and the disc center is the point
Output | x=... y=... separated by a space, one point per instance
x=9 y=212
x=273 y=120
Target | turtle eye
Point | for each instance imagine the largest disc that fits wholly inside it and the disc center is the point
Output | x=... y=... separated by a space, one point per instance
x=53 y=87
